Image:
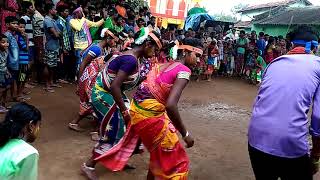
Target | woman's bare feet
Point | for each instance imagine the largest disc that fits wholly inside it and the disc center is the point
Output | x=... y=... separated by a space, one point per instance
x=89 y=172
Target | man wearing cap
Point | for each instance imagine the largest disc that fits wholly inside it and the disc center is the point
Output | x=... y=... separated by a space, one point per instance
x=279 y=128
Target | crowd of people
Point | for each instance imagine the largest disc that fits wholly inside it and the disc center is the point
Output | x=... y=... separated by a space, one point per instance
x=107 y=48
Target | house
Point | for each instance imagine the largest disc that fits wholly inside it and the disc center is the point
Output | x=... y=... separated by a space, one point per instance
x=171 y=11
x=283 y=22
x=248 y=13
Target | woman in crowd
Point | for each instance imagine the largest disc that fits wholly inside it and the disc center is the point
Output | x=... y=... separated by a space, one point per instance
x=108 y=99
x=155 y=118
x=87 y=79
x=270 y=50
x=18 y=159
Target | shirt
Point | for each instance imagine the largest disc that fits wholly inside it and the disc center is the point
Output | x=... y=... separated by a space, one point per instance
x=61 y=23
x=242 y=41
x=13 y=52
x=261 y=45
x=18 y=161
x=37 y=22
x=279 y=122
x=23 y=49
x=81 y=35
x=29 y=29
x=52 y=43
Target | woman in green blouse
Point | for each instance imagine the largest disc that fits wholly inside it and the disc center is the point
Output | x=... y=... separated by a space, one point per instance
x=18 y=159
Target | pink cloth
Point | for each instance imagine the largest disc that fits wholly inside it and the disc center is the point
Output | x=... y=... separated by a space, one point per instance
x=5 y=13
x=171 y=72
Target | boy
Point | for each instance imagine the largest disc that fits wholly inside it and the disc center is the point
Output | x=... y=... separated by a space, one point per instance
x=13 y=52
x=5 y=77
x=22 y=38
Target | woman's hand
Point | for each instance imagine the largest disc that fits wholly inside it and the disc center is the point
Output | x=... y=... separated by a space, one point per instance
x=189 y=141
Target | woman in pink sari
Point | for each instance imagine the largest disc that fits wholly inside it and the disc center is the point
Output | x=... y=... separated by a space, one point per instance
x=155 y=119
x=9 y=8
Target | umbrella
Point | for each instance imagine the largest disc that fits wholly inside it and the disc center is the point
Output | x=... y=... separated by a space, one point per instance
x=196 y=10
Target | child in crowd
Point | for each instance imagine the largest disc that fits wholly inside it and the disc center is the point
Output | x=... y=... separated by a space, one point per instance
x=212 y=62
x=19 y=159
x=221 y=61
x=260 y=66
x=229 y=55
x=5 y=77
x=22 y=40
x=13 y=53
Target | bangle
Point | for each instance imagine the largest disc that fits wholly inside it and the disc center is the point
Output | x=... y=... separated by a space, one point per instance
x=187 y=134
x=125 y=113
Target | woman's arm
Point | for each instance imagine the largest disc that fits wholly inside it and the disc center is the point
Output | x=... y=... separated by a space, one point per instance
x=116 y=92
x=84 y=64
x=173 y=112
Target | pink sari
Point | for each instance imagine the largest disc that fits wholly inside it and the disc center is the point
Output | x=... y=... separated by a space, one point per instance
x=5 y=13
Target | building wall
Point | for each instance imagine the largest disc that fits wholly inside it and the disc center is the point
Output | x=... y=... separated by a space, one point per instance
x=276 y=30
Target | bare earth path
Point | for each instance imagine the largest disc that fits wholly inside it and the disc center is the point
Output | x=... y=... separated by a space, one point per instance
x=216 y=113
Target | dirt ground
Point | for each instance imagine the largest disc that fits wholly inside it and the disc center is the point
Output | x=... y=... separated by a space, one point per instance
x=216 y=113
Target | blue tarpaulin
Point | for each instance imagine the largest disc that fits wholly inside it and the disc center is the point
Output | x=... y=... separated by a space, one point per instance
x=193 y=21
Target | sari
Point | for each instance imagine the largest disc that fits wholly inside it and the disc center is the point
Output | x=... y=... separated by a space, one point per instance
x=112 y=124
x=150 y=123
x=86 y=83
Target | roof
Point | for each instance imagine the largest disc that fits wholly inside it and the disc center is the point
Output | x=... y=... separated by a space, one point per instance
x=243 y=24
x=272 y=5
x=294 y=16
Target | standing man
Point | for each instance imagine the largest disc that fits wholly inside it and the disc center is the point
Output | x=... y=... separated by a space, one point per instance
x=278 y=131
x=152 y=24
x=65 y=60
x=38 y=37
x=52 y=46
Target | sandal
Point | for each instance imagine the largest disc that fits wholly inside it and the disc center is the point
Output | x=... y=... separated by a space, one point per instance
x=89 y=172
x=56 y=86
x=94 y=136
x=75 y=127
x=49 y=90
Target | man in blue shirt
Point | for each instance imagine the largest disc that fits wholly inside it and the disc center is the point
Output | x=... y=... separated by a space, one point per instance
x=52 y=46
x=261 y=43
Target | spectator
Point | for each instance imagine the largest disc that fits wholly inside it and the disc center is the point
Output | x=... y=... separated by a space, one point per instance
x=261 y=43
x=80 y=26
x=13 y=54
x=140 y=24
x=38 y=33
x=10 y=8
x=152 y=24
x=242 y=45
x=5 y=77
x=52 y=46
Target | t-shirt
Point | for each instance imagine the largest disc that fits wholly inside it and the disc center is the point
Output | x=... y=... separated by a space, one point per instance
x=29 y=29
x=23 y=49
x=52 y=43
x=261 y=45
x=13 y=52
x=18 y=161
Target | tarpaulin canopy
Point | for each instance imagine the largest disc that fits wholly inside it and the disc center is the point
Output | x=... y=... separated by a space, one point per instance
x=193 y=21
x=196 y=10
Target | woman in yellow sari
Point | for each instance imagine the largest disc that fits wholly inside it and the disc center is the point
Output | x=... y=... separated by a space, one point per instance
x=155 y=118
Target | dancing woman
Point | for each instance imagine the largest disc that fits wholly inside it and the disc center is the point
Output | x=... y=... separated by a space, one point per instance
x=108 y=98
x=155 y=118
x=90 y=66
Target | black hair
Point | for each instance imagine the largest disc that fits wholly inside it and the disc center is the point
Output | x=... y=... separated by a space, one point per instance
x=92 y=8
x=22 y=21
x=152 y=17
x=242 y=32
x=261 y=34
x=62 y=8
x=304 y=32
x=280 y=37
x=16 y=119
x=140 y=20
x=10 y=19
x=270 y=41
x=2 y=36
x=48 y=7
x=25 y=5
